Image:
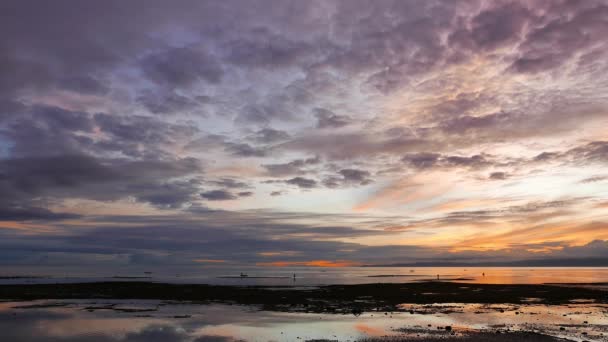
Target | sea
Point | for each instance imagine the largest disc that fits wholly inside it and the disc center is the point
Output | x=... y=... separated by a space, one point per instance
x=308 y=276
x=112 y=320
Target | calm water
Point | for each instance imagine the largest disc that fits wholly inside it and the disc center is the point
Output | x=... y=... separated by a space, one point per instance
x=133 y=321
x=307 y=276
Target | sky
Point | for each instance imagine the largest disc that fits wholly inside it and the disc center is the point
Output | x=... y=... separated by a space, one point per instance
x=302 y=133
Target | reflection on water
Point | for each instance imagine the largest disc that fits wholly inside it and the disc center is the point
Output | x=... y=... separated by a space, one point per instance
x=132 y=321
x=310 y=276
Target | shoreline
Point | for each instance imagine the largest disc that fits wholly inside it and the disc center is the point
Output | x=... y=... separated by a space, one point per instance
x=322 y=299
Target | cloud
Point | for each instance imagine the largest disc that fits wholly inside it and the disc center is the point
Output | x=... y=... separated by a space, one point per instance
x=181 y=67
x=230 y=183
x=269 y=136
x=435 y=160
x=494 y=27
x=594 y=179
x=498 y=176
x=218 y=195
x=294 y=167
x=245 y=150
x=17 y=213
x=328 y=119
x=86 y=84
x=349 y=177
x=261 y=48
x=26 y=179
x=168 y=102
x=301 y=182
x=566 y=36
x=429 y=100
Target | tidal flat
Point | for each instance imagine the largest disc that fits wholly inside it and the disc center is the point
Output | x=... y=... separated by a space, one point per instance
x=428 y=311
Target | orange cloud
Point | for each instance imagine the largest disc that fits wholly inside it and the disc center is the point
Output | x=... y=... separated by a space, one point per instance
x=602 y=205
x=570 y=232
x=405 y=191
x=311 y=263
x=462 y=204
x=27 y=227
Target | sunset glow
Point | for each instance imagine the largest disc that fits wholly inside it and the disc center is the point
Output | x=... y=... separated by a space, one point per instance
x=302 y=133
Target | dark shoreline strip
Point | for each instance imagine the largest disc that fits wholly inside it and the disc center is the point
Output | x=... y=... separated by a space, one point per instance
x=333 y=298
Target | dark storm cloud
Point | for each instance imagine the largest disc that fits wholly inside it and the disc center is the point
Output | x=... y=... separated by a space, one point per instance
x=245 y=194
x=218 y=195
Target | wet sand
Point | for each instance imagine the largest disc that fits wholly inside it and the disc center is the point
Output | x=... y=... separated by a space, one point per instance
x=471 y=337
x=334 y=298
x=507 y=312
x=74 y=320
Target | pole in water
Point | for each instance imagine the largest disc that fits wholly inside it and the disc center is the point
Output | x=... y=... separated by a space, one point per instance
x=438 y=277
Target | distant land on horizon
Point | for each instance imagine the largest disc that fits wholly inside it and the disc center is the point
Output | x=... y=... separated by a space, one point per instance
x=582 y=262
